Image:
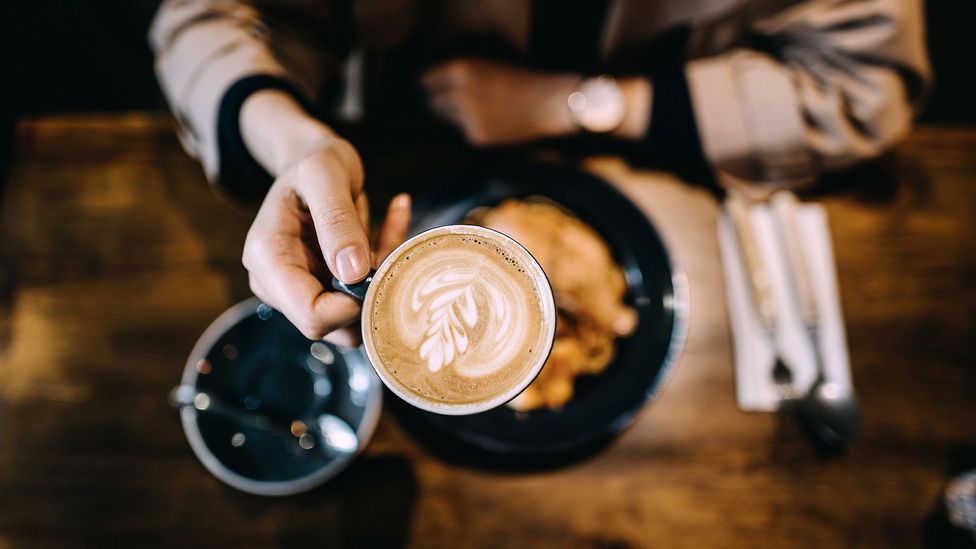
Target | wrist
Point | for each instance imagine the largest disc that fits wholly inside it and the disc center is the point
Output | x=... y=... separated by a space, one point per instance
x=278 y=131
x=607 y=106
x=558 y=122
x=638 y=94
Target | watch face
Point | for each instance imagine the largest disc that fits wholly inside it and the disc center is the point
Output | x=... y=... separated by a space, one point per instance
x=597 y=105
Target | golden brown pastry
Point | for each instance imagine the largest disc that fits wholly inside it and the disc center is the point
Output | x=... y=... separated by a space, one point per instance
x=589 y=289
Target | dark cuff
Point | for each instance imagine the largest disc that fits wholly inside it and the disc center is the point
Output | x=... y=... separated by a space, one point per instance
x=672 y=136
x=672 y=140
x=239 y=173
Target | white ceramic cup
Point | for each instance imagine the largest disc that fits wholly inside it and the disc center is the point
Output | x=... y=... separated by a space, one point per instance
x=364 y=292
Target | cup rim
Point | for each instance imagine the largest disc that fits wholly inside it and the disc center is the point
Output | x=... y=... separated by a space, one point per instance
x=549 y=311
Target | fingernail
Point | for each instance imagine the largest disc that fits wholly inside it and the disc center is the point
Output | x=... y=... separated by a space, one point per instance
x=402 y=200
x=352 y=264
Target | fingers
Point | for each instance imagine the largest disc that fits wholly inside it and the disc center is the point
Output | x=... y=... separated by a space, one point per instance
x=362 y=208
x=323 y=320
x=301 y=297
x=258 y=289
x=392 y=234
x=445 y=84
x=286 y=284
x=281 y=268
x=444 y=105
x=444 y=76
x=324 y=193
x=346 y=337
x=395 y=226
x=327 y=187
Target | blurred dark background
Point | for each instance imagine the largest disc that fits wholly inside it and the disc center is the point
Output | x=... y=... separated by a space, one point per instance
x=79 y=55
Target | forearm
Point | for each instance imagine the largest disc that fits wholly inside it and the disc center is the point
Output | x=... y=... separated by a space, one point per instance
x=278 y=131
x=204 y=51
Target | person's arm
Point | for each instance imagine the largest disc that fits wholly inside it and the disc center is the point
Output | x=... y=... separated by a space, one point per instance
x=211 y=55
x=237 y=80
x=498 y=104
x=277 y=130
x=827 y=84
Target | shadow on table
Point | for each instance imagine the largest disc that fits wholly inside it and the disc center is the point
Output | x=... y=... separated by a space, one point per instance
x=457 y=451
x=877 y=182
x=371 y=504
x=793 y=441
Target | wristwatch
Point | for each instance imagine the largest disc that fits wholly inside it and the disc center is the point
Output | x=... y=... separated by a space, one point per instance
x=597 y=104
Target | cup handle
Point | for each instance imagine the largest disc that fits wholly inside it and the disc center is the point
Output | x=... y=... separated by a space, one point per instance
x=357 y=290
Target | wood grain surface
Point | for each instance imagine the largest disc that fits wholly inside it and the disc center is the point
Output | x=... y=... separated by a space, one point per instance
x=116 y=255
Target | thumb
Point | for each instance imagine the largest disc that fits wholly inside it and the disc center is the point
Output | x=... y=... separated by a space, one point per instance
x=324 y=183
x=395 y=227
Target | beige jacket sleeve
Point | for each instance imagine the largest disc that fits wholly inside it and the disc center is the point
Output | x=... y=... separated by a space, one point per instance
x=838 y=83
x=203 y=47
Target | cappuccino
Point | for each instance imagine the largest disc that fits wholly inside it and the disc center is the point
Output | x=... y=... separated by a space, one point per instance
x=458 y=319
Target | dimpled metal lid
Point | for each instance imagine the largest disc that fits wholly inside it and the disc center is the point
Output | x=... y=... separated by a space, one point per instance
x=273 y=387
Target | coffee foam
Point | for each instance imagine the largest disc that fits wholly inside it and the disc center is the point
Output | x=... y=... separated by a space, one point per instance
x=459 y=318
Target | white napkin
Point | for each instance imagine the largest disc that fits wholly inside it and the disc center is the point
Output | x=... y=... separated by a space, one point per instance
x=754 y=351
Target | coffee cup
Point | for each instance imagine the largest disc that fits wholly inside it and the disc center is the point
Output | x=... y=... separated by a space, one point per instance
x=457 y=320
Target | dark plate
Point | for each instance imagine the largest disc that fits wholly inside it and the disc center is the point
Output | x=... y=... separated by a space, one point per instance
x=604 y=404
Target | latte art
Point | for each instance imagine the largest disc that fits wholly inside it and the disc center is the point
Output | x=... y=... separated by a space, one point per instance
x=461 y=308
x=444 y=301
x=458 y=318
x=449 y=310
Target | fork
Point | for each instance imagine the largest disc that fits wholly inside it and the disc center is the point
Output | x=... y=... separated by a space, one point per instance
x=759 y=283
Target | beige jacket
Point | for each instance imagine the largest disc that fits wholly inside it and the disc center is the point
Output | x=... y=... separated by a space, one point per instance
x=839 y=84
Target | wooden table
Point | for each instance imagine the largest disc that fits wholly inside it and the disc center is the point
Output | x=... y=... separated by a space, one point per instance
x=116 y=256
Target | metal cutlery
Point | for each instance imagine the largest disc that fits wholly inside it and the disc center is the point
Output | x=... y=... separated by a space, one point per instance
x=827 y=410
x=836 y=418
